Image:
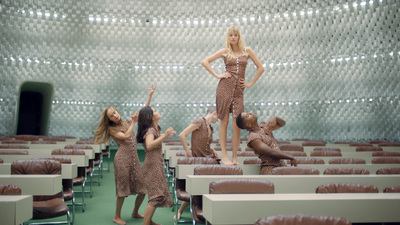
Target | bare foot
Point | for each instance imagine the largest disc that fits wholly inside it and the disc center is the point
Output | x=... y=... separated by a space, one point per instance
x=137 y=215
x=227 y=162
x=179 y=216
x=119 y=221
x=236 y=163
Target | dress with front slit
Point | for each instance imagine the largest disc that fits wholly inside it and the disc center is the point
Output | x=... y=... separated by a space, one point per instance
x=229 y=93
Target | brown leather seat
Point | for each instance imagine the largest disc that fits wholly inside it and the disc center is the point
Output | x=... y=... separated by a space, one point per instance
x=394 y=170
x=291 y=147
x=246 y=153
x=106 y=155
x=61 y=138
x=325 y=153
x=282 y=142
x=302 y=220
x=314 y=143
x=345 y=171
x=327 y=149
x=309 y=160
x=392 y=189
x=384 y=153
x=294 y=171
x=368 y=149
x=87 y=142
x=218 y=170
x=14 y=142
x=196 y=160
x=9 y=189
x=342 y=142
x=27 y=137
x=300 y=139
x=389 y=144
x=68 y=192
x=386 y=160
x=241 y=186
x=43 y=142
x=43 y=206
x=180 y=154
x=360 y=144
x=1 y=160
x=228 y=148
x=377 y=142
x=78 y=147
x=346 y=188
x=2 y=146
x=196 y=201
x=252 y=161
x=12 y=152
x=347 y=161
x=90 y=168
x=295 y=153
x=80 y=180
x=180 y=193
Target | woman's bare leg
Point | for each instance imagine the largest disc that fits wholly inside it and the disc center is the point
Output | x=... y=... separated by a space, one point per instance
x=117 y=218
x=148 y=214
x=138 y=202
x=222 y=133
x=180 y=210
x=235 y=141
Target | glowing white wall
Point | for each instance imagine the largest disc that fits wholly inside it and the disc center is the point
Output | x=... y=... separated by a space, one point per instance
x=332 y=67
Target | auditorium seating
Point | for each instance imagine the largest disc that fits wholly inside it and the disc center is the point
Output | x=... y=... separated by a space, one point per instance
x=180 y=193
x=302 y=220
x=346 y=188
x=196 y=201
x=345 y=171
x=80 y=180
x=43 y=206
x=294 y=171
x=9 y=189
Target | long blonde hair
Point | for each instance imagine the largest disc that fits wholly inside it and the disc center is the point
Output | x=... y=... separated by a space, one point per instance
x=102 y=133
x=241 y=44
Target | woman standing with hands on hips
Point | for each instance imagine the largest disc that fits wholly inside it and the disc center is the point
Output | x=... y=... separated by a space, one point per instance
x=229 y=97
x=153 y=169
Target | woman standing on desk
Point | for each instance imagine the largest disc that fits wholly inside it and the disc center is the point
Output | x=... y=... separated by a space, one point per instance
x=231 y=87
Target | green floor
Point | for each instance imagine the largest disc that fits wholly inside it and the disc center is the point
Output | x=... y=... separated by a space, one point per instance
x=100 y=209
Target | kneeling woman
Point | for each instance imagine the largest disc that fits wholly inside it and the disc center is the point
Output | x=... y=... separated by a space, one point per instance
x=263 y=142
x=153 y=170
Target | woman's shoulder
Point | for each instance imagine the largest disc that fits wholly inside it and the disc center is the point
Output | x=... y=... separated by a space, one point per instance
x=248 y=50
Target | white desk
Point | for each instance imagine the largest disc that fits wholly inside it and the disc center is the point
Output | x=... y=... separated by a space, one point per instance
x=246 y=208
x=15 y=209
x=68 y=171
x=80 y=160
x=182 y=171
x=34 y=184
x=199 y=184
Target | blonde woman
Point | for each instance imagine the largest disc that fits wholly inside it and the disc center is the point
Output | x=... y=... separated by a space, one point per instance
x=127 y=168
x=229 y=97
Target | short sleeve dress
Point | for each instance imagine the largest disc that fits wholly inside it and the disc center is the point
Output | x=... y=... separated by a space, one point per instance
x=154 y=175
x=127 y=168
x=266 y=136
x=201 y=141
x=229 y=93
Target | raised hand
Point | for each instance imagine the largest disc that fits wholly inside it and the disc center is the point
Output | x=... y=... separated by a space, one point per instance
x=135 y=117
x=170 y=131
x=151 y=90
